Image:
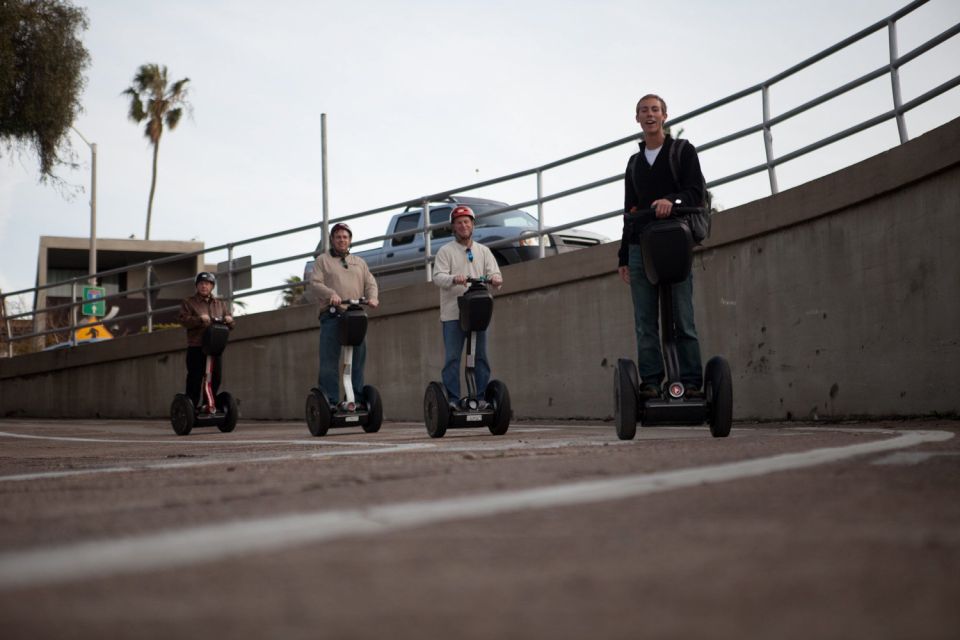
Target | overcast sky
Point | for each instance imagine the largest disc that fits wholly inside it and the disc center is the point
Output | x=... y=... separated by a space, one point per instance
x=425 y=95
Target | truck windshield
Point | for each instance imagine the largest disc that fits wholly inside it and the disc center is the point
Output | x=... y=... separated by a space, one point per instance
x=512 y=218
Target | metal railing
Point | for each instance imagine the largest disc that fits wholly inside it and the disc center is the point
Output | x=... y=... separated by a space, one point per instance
x=890 y=67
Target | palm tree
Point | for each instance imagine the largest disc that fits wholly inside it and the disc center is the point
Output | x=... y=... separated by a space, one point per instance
x=164 y=105
x=294 y=293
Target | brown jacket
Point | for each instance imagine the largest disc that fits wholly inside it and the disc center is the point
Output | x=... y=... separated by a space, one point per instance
x=191 y=311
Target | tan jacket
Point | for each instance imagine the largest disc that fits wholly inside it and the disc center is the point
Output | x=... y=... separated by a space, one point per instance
x=191 y=311
x=452 y=261
x=329 y=277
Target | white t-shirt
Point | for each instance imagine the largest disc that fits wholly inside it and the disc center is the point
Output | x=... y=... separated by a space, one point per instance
x=652 y=154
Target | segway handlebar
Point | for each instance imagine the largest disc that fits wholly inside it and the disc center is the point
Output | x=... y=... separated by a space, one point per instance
x=643 y=216
x=352 y=302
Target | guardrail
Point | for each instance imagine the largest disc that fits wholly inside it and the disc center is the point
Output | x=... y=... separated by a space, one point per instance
x=890 y=67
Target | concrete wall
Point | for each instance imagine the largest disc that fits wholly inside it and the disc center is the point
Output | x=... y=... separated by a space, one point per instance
x=834 y=299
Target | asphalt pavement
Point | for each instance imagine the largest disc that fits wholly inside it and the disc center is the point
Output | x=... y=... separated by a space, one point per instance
x=555 y=530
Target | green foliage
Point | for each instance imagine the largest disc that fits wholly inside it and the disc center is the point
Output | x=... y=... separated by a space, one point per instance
x=41 y=77
x=294 y=293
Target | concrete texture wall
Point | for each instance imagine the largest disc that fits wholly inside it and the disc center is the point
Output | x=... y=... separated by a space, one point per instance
x=834 y=299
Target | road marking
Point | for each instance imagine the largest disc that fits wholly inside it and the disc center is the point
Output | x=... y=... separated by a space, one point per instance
x=208 y=543
x=912 y=457
x=383 y=448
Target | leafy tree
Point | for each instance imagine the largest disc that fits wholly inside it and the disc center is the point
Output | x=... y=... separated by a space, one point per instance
x=153 y=99
x=41 y=77
x=294 y=293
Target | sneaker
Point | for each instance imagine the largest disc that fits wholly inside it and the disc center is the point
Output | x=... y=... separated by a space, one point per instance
x=694 y=392
x=649 y=391
x=483 y=405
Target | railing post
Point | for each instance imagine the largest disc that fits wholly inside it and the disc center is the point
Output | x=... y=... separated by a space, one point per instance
x=6 y=322
x=230 y=278
x=768 y=141
x=543 y=250
x=73 y=310
x=149 y=297
x=895 y=81
x=426 y=240
x=323 y=182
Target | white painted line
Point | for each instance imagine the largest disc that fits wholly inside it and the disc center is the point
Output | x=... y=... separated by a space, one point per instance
x=912 y=457
x=177 y=548
x=384 y=448
x=208 y=462
x=179 y=440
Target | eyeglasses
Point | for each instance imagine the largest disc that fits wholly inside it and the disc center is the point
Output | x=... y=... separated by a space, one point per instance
x=343 y=261
x=469 y=255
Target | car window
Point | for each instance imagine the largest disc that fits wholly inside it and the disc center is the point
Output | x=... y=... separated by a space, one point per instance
x=512 y=218
x=438 y=215
x=406 y=222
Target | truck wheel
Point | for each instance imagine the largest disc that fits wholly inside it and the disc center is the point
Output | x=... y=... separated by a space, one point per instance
x=228 y=405
x=318 y=413
x=719 y=395
x=436 y=411
x=182 y=414
x=374 y=409
x=625 y=388
x=498 y=395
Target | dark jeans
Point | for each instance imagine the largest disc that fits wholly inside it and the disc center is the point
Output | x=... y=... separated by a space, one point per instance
x=646 y=316
x=329 y=379
x=453 y=341
x=196 y=364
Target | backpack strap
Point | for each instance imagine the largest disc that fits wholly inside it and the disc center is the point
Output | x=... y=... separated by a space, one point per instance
x=674 y=157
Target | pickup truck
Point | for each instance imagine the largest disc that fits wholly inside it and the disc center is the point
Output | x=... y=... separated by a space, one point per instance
x=511 y=236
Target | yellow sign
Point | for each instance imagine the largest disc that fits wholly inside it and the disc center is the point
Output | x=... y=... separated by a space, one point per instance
x=91 y=332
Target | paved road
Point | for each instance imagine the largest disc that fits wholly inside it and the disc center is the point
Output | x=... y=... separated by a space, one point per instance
x=121 y=529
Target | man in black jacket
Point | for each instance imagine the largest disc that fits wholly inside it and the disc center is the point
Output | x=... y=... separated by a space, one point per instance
x=650 y=184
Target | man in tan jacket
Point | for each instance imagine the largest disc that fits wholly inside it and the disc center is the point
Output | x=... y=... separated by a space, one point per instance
x=339 y=276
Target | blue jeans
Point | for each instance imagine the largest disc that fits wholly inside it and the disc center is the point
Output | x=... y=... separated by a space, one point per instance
x=646 y=317
x=453 y=340
x=329 y=380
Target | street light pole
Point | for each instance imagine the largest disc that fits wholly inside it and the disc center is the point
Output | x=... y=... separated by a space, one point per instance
x=93 y=207
x=323 y=170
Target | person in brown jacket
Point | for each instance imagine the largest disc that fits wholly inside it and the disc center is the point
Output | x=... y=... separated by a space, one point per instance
x=197 y=313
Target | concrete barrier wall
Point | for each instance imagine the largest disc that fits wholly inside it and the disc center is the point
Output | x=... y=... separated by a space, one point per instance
x=838 y=298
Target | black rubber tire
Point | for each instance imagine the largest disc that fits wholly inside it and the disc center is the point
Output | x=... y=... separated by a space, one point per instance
x=625 y=399
x=374 y=409
x=436 y=411
x=182 y=415
x=498 y=395
x=318 y=413
x=718 y=389
x=228 y=405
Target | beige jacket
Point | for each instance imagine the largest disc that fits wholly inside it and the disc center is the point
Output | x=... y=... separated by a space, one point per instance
x=330 y=277
x=452 y=261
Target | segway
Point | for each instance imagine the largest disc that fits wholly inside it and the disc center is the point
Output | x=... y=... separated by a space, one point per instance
x=323 y=416
x=476 y=310
x=221 y=411
x=667 y=246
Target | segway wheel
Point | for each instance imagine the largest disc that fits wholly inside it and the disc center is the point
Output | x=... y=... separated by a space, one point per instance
x=182 y=415
x=318 y=413
x=498 y=395
x=436 y=412
x=374 y=409
x=228 y=405
x=719 y=395
x=625 y=393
